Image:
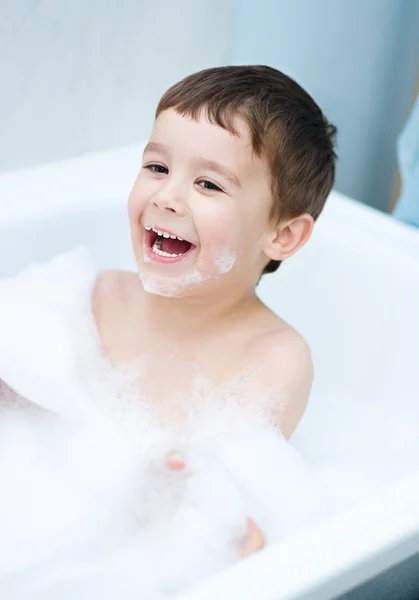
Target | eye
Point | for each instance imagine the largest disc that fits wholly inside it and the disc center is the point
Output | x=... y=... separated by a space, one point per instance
x=157 y=169
x=208 y=185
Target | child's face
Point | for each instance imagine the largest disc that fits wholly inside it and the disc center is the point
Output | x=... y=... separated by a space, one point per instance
x=199 y=183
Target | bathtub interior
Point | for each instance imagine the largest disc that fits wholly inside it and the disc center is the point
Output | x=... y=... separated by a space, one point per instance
x=353 y=292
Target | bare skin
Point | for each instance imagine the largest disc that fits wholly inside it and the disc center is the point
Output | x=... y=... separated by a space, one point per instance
x=202 y=184
x=246 y=337
x=255 y=338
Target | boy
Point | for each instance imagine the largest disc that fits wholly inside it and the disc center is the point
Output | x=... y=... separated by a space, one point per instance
x=237 y=169
x=239 y=165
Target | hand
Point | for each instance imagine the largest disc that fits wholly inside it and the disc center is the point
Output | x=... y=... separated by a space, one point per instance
x=254 y=539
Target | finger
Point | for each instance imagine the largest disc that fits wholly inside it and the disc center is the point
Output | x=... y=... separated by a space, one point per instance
x=254 y=540
x=174 y=461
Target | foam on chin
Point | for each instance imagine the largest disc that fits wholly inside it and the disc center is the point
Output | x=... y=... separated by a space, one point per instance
x=171 y=288
x=222 y=261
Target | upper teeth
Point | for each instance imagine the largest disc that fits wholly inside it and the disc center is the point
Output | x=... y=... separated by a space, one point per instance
x=163 y=233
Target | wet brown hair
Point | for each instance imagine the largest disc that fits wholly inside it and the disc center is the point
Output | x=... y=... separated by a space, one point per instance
x=286 y=125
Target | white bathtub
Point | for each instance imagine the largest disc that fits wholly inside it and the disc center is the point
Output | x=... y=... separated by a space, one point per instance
x=353 y=292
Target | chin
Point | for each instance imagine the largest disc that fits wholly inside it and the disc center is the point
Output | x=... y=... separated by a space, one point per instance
x=176 y=286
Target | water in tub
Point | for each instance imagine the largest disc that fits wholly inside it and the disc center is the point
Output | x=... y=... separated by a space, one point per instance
x=88 y=505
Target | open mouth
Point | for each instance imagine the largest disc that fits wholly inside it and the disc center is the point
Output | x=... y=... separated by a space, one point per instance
x=164 y=246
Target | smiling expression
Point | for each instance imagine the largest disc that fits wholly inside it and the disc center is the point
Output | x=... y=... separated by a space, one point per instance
x=199 y=208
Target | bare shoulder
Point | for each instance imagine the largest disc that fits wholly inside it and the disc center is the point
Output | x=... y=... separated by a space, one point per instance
x=286 y=366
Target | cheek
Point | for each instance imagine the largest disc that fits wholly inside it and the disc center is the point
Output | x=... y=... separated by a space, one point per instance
x=216 y=227
x=221 y=240
x=137 y=201
x=233 y=238
x=227 y=228
x=138 y=198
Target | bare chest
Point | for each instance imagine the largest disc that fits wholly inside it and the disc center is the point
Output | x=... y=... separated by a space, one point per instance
x=175 y=376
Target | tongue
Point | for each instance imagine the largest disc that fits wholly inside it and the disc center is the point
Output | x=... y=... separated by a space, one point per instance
x=172 y=246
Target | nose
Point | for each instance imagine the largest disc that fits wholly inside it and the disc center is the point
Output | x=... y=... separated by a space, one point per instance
x=163 y=206
x=167 y=200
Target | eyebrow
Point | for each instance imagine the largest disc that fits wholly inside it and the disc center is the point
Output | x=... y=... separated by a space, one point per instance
x=155 y=147
x=205 y=163
x=212 y=165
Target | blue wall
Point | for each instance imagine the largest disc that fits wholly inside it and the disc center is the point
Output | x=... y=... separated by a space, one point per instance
x=360 y=61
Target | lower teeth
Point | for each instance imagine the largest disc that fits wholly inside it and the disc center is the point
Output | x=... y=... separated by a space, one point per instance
x=156 y=250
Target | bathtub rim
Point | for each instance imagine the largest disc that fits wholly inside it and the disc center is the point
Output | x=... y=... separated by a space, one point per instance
x=332 y=556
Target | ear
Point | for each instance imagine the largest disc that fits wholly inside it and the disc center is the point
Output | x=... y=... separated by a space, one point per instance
x=288 y=237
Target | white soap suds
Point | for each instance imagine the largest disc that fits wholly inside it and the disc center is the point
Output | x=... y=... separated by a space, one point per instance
x=88 y=506
x=224 y=258
x=222 y=261
x=172 y=287
x=153 y=284
x=72 y=490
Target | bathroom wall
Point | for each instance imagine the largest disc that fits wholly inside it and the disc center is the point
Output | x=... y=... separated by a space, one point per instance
x=84 y=75
x=358 y=58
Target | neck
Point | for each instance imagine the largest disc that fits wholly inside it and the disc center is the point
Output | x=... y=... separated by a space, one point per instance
x=199 y=313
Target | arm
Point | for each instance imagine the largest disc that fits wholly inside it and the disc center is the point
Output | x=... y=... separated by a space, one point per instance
x=297 y=380
x=287 y=370
x=253 y=540
x=285 y=367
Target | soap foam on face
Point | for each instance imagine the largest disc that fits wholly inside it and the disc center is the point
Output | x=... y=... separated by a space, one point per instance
x=223 y=260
